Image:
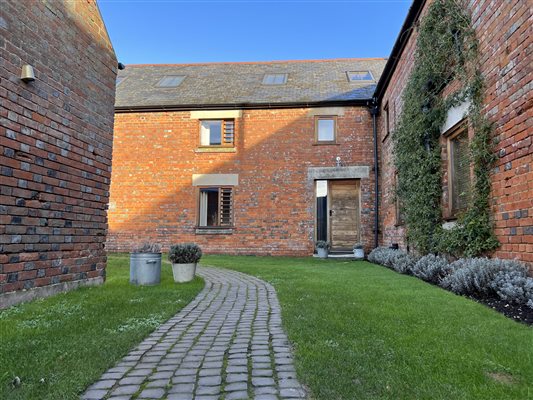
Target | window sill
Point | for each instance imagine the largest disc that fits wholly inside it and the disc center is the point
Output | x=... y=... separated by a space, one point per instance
x=203 y=230
x=213 y=149
x=326 y=144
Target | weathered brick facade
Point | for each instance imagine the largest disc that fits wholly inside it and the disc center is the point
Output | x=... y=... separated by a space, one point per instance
x=156 y=155
x=55 y=146
x=504 y=30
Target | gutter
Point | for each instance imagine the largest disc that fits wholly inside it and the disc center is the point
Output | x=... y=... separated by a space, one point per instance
x=240 y=106
x=373 y=109
x=401 y=41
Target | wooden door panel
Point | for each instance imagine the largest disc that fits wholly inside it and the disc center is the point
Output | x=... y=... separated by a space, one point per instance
x=344 y=219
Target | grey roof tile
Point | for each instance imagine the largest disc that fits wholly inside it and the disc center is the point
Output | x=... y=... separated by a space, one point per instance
x=241 y=83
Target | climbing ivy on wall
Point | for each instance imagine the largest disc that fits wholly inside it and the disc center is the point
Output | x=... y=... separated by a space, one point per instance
x=446 y=57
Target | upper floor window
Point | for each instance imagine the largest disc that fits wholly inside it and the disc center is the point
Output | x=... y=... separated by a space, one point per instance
x=360 y=76
x=216 y=207
x=387 y=118
x=459 y=177
x=326 y=129
x=397 y=203
x=274 y=79
x=217 y=133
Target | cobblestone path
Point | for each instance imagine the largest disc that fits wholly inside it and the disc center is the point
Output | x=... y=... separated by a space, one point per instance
x=226 y=344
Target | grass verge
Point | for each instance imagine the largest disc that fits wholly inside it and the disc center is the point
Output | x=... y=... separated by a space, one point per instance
x=72 y=338
x=361 y=331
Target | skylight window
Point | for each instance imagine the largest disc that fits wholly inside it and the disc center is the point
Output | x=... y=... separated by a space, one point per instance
x=275 y=79
x=359 y=76
x=169 y=81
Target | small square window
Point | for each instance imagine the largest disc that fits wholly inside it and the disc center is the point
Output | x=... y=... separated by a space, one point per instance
x=326 y=129
x=217 y=133
x=216 y=207
x=360 y=76
x=170 y=81
x=274 y=79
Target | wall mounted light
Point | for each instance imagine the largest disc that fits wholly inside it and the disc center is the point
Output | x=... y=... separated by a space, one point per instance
x=27 y=74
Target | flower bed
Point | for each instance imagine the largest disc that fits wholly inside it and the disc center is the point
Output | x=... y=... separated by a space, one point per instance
x=503 y=285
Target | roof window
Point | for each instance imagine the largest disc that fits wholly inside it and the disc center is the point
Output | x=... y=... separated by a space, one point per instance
x=275 y=79
x=169 y=81
x=359 y=76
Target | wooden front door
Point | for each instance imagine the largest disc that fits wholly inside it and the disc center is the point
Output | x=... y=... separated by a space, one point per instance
x=344 y=213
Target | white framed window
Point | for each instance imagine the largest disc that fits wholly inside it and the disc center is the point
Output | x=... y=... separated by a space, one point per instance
x=215 y=207
x=219 y=132
x=326 y=129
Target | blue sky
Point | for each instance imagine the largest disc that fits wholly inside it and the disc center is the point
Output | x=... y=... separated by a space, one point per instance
x=166 y=31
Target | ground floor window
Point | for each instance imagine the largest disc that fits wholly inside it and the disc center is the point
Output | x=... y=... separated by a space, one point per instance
x=216 y=207
x=459 y=177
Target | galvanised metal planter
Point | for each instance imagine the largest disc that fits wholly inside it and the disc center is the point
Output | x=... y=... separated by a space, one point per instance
x=322 y=253
x=183 y=272
x=145 y=268
x=359 y=254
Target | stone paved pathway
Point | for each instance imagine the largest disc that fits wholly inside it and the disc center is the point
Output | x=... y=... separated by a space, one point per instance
x=227 y=344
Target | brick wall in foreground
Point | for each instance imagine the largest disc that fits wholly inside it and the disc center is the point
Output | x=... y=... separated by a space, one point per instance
x=55 y=143
x=504 y=33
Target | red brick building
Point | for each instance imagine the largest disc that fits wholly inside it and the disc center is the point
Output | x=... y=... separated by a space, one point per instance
x=55 y=147
x=238 y=158
x=247 y=158
x=504 y=31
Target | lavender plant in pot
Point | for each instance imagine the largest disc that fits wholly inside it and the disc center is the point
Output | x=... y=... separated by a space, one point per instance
x=184 y=257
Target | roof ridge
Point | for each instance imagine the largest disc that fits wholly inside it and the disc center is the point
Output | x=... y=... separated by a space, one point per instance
x=259 y=62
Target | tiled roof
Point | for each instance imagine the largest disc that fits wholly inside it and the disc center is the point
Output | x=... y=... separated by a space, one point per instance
x=313 y=81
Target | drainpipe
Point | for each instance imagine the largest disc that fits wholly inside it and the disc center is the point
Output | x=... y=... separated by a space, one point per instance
x=374 y=111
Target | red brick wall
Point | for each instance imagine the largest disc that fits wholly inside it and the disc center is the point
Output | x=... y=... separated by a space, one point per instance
x=55 y=142
x=504 y=31
x=152 y=197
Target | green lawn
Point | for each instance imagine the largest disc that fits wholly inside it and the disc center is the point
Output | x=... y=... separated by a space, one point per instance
x=364 y=332
x=72 y=338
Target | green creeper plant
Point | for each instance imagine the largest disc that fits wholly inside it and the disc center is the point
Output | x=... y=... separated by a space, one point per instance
x=446 y=60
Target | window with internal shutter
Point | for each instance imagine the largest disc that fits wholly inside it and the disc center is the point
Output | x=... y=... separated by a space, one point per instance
x=220 y=133
x=459 y=178
x=216 y=207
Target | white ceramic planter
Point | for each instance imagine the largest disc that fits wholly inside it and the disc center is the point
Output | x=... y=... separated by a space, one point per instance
x=359 y=254
x=183 y=272
x=322 y=253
